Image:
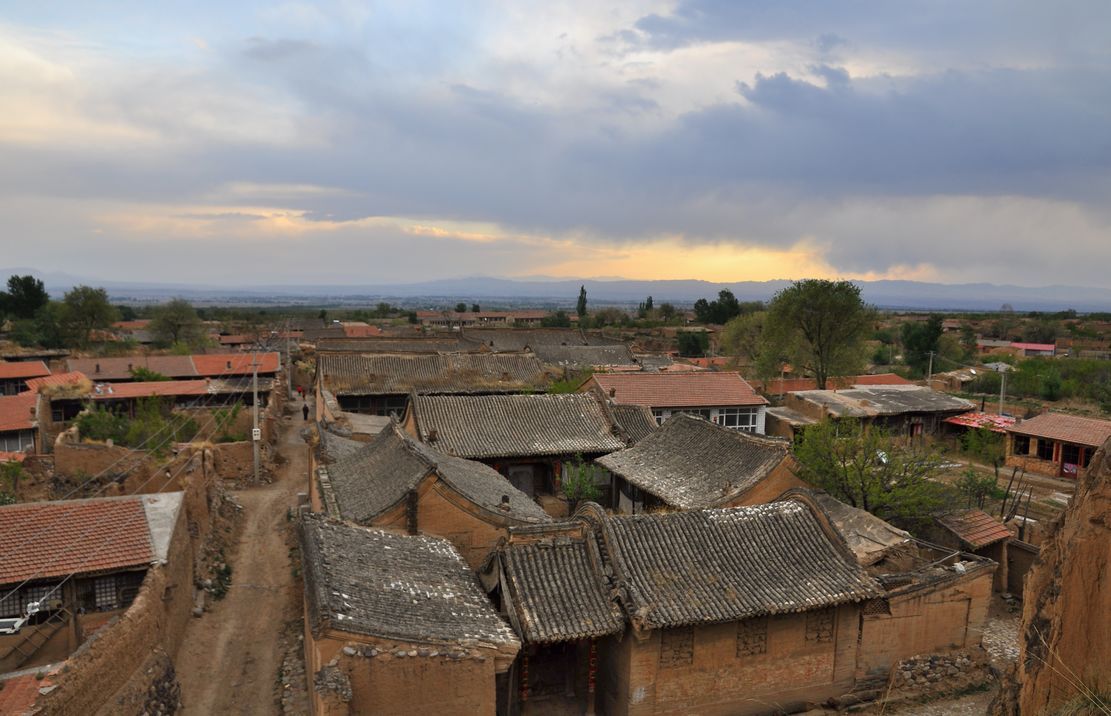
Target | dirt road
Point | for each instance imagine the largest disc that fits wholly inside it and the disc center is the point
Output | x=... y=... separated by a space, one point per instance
x=230 y=658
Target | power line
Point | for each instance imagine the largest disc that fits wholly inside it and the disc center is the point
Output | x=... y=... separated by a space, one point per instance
x=209 y=399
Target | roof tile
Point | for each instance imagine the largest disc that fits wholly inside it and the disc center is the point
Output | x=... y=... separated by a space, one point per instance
x=678 y=390
x=1092 y=432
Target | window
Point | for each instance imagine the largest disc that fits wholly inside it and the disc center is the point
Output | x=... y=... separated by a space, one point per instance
x=752 y=637
x=105 y=591
x=1070 y=454
x=1045 y=449
x=737 y=418
x=1020 y=445
x=676 y=647
x=659 y=415
x=819 y=627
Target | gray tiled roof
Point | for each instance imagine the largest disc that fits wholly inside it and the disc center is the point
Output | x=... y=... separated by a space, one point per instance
x=636 y=420
x=488 y=426
x=335 y=447
x=691 y=463
x=579 y=357
x=373 y=479
x=413 y=589
x=398 y=345
x=729 y=564
x=555 y=591
x=870 y=401
x=394 y=374
x=518 y=339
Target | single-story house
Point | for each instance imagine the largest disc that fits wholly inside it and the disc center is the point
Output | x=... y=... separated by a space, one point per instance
x=977 y=532
x=723 y=398
x=393 y=344
x=15 y=374
x=691 y=463
x=905 y=410
x=1056 y=444
x=400 y=484
x=739 y=610
x=201 y=365
x=18 y=423
x=512 y=340
x=398 y=624
x=380 y=384
x=576 y=357
x=534 y=440
x=82 y=561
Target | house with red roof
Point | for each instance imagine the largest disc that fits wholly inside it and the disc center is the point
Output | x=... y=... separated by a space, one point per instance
x=68 y=567
x=18 y=423
x=1056 y=444
x=15 y=374
x=723 y=398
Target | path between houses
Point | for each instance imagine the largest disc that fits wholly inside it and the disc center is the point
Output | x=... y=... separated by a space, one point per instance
x=230 y=658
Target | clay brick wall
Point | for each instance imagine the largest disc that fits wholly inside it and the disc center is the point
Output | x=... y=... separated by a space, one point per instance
x=778 y=481
x=440 y=513
x=949 y=615
x=424 y=680
x=747 y=668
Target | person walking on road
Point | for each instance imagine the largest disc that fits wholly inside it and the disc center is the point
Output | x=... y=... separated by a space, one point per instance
x=305 y=411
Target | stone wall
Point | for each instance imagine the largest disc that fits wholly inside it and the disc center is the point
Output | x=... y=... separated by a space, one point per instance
x=82 y=460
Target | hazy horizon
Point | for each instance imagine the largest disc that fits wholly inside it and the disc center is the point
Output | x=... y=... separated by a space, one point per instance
x=722 y=140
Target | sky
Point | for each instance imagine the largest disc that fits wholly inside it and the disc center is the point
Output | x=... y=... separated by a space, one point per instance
x=382 y=142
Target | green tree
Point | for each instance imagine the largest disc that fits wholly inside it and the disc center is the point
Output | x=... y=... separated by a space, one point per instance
x=818 y=326
x=986 y=446
x=125 y=312
x=580 y=305
x=722 y=309
x=976 y=488
x=86 y=309
x=865 y=467
x=475 y=308
x=920 y=339
x=693 y=344
x=413 y=317
x=667 y=311
x=741 y=337
x=648 y=303
x=460 y=307
x=559 y=319
x=146 y=375
x=578 y=483
x=177 y=322
x=24 y=297
x=11 y=474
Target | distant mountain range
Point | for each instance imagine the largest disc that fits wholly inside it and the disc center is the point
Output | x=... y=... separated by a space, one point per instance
x=546 y=291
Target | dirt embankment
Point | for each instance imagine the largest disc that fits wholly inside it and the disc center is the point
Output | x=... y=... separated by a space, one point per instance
x=1065 y=652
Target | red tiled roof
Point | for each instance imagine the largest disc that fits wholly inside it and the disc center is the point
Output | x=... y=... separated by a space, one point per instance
x=10 y=370
x=716 y=361
x=877 y=379
x=777 y=386
x=163 y=388
x=74 y=376
x=19 y=693
x=17 y=412
x=136 y=325
x=1035 y=346
x=217 y=364
x=360 y=330
x=1092 y=432
x=975 y=528
x=9 y=456
x=678 y=390
x=120 y=368
x=51 y=539
x=236 y=339
x=975 y=419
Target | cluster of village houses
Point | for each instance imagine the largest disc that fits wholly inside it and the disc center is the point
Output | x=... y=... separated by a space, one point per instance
x=473 y=543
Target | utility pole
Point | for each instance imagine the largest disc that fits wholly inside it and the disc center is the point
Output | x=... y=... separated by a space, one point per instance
x=1002 y=390
x=256 y=434
x=288 y=365
x=930 y=370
